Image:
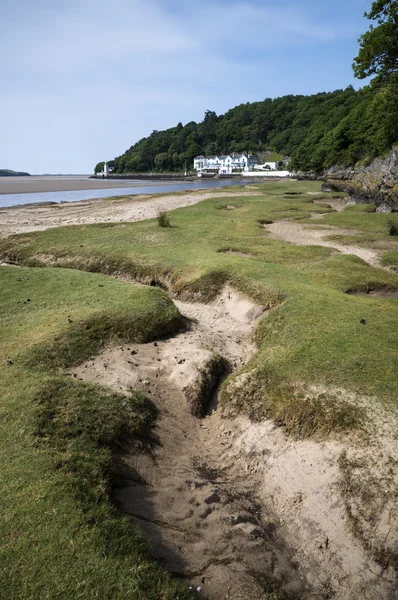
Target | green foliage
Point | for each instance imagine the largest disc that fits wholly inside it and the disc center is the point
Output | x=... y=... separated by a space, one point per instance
x=378 y=52
x=317 y=131
x=99 y=167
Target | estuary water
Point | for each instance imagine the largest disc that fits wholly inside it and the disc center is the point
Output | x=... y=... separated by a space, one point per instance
x=136 y=187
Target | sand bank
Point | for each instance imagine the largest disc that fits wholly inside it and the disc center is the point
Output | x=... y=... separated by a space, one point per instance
x=40 y=184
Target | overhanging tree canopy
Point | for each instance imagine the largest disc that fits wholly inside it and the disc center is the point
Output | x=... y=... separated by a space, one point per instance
x=378 y=52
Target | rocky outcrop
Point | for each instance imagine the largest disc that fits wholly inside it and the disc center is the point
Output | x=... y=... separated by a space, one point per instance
x=375 y=184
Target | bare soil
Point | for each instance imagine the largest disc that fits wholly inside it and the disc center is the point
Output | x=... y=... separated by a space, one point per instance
x=234 y=506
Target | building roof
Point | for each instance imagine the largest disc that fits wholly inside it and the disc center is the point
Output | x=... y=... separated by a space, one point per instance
x=224 y=156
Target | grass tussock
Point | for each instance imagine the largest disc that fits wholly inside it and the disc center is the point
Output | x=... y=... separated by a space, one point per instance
x=163 y=219
x=204 y=287
x=303 y=412
x=390 y=259
x=393 y=227
x=87 y=338
x=81 y=424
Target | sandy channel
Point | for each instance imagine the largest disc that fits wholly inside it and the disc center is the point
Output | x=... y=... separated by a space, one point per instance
x=234 y=506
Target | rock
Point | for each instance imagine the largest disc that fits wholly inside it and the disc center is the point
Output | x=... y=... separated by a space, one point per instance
x=375 y=184
x=385 y=208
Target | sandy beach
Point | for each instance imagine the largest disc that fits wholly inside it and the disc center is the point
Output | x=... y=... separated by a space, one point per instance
x=25 y=218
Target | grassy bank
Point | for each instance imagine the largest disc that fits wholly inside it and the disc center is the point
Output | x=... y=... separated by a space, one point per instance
x=61 y=535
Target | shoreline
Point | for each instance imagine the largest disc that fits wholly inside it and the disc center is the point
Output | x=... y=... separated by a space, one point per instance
x=14 y=186
x=25 y=218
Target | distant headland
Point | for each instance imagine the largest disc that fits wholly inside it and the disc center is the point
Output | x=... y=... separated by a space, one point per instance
x=9 y=173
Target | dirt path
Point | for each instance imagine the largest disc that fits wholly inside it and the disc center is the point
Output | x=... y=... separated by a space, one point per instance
x=127 y=208
x=303 y=235
x=236 y=507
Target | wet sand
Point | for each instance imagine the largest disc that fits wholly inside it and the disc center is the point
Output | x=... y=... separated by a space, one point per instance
x=52 y=183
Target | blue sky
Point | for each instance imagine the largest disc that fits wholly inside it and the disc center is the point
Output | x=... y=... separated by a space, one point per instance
x=82 y=80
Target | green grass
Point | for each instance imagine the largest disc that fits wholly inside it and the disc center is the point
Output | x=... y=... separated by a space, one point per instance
x=390 y=259
x=61 y=535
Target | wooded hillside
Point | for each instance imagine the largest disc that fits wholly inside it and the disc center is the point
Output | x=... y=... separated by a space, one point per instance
x=317 y=131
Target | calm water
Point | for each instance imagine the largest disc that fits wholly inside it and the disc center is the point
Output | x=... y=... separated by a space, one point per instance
x=7 y=200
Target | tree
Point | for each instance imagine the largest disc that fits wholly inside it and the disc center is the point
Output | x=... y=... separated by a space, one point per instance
x=99 y=167
x=378 y=50
x=161 y=160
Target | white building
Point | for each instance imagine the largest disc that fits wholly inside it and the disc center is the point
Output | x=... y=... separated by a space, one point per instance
x=106 y=170
x=273 y=166
x=226 y=164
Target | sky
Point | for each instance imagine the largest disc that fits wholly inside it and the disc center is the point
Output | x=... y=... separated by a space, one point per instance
x=82 y=80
